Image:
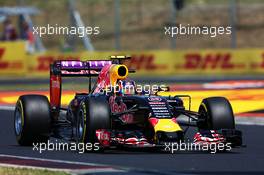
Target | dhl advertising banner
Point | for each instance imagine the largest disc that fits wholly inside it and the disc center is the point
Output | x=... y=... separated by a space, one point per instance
x=12 y=58
x=147 y=63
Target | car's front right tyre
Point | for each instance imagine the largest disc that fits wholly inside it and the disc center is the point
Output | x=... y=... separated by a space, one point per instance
x=216 y=113
x=94 y=113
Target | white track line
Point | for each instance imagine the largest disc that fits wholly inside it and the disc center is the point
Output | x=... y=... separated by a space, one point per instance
x=249 y=120
x=7 y=108
x=100 y=167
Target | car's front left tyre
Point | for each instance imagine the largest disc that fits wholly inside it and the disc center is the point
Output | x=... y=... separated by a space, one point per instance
x=32 y=121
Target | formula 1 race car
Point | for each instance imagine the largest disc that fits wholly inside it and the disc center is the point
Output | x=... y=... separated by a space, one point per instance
x=116 y=114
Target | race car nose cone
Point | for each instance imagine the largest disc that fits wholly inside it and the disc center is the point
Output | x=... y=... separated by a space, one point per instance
x=163 y=137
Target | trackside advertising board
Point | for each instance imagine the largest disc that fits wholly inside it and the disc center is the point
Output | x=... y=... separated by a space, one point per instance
x=147 y=63
x=12 y=58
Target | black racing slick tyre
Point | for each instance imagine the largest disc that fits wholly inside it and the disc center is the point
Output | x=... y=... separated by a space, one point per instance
x=32 y=119
x=216 y=113
x=94 y=113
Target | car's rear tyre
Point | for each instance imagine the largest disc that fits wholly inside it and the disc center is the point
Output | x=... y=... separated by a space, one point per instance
x=94 y=113
x=216 y=113
x=32 y=120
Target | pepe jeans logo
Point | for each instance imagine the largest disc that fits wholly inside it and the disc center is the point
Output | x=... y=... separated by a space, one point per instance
x=154 y=99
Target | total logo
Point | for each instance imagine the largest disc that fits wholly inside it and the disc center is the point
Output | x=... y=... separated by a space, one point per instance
x=154 y=99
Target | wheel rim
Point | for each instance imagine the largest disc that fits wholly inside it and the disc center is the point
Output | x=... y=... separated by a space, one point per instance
x=18 y=121
x=80 y=126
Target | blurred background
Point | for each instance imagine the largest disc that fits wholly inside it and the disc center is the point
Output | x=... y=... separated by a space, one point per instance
x=187 y=63
x=139 y=24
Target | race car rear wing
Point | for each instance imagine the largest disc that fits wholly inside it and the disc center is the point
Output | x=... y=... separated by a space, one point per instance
x=89 y=68
x=76 y=68
x=73 y=68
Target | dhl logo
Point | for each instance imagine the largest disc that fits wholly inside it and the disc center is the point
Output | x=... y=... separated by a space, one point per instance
x=144 y=62
x=6 y=64
x=3 y=64
x=209 y=61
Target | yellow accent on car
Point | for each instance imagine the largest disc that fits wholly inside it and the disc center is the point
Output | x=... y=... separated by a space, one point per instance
x=115 y=74
x=167 y=125
x=205 y=108
x=119 y=56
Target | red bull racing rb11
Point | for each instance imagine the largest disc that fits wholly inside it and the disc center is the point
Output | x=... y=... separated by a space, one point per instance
x=115 y=116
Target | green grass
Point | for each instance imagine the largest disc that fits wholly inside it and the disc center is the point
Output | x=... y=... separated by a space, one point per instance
x=27 y=171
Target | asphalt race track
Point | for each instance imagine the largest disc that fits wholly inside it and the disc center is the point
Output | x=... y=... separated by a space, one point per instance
x=243 y=160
